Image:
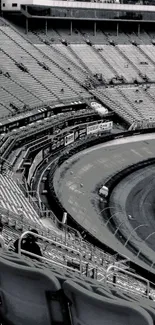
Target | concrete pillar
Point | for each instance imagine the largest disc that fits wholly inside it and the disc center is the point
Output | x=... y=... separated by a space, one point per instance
x=138 y=29
x=45 y=26
x=117 y=29
x=27 y=24
x=95 y=28
x=71 y=27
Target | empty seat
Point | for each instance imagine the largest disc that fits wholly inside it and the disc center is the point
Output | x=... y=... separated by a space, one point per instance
x=90 y=308
x=29 y=296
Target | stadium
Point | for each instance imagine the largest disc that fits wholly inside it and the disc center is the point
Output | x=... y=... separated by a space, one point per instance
x=77 y=162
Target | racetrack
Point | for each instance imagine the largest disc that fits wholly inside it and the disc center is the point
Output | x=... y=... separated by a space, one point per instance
x=91 y=167
x=136 y=194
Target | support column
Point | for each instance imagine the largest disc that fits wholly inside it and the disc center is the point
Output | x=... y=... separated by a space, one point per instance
x=117 y=29
x=71 y=27
x=95 y=28
x=27 y=24
x=138 y=29
x=45 y=26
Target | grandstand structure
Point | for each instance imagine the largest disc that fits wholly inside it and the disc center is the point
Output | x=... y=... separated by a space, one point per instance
x=50 y=79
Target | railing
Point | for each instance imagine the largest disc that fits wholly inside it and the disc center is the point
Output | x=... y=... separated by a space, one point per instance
x=4 y=161
x=20 y=250
x=138 y=277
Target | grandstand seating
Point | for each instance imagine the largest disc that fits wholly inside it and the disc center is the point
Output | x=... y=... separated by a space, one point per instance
x=87 y=307
x=138 y=59
x=39 y=73
x=10 y=192
x=134 y=101
x=92 y=61
x=68 y=297
x=45 y=78
x=28 y=298
x=121 y=65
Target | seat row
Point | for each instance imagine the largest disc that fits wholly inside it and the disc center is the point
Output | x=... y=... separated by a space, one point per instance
x=31 y=294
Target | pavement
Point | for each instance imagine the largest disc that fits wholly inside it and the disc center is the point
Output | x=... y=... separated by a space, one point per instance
x=76 y=180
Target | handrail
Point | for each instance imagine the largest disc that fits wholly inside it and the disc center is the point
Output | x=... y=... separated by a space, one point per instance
x=20 y=250
x=127 y=273
x=5 y=161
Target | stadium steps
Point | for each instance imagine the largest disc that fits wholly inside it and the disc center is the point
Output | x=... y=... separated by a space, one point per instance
x=24 y=47
x=115 y=59
x=127 y=59
x=28 y=78
x=105 y=99
x=107 y=63
x=7 y=146
x=59 y=49
x=151 y=91
x=134 y=38
x=142 y=102
x=95 y=65
x=80 y=61
x=8 y=32
x=20 y=91
x=149 y=96
x=68 y=55
x=75 y=75
x=12 y=94
x=147 y=69
x=4 y=109
x=140 y=47
x=12 y=158
x=12 y=103
x=31 y=73
x=131 y=105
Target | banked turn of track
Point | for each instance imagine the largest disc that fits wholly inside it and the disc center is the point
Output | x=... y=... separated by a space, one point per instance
x=85 y=171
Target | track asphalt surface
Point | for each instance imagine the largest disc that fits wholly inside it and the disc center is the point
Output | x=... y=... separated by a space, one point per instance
x=76 y=183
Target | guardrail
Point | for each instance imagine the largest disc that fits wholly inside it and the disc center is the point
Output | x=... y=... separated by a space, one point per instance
x=138 y=277
x=20 y=250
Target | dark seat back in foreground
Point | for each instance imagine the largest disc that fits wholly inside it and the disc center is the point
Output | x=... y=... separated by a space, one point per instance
x=88 y=308
x=30 y=296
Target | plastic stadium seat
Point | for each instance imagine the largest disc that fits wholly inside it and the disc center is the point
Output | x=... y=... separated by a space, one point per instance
x=104 y=293
x=144 y=303
x=90 y=308
x=30 y=296
x=17 y=260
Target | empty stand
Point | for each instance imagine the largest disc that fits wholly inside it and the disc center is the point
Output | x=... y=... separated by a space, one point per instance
x=92 y=61
x=12 y=198
x=138 y=59
x=88 y=307
x=26 y=295
x=122 y=66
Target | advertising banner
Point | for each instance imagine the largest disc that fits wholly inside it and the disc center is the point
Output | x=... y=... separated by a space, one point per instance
x=46 y=152
x=58 y=142
x=99 y=127
x=80 y=132
x=69 y=139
